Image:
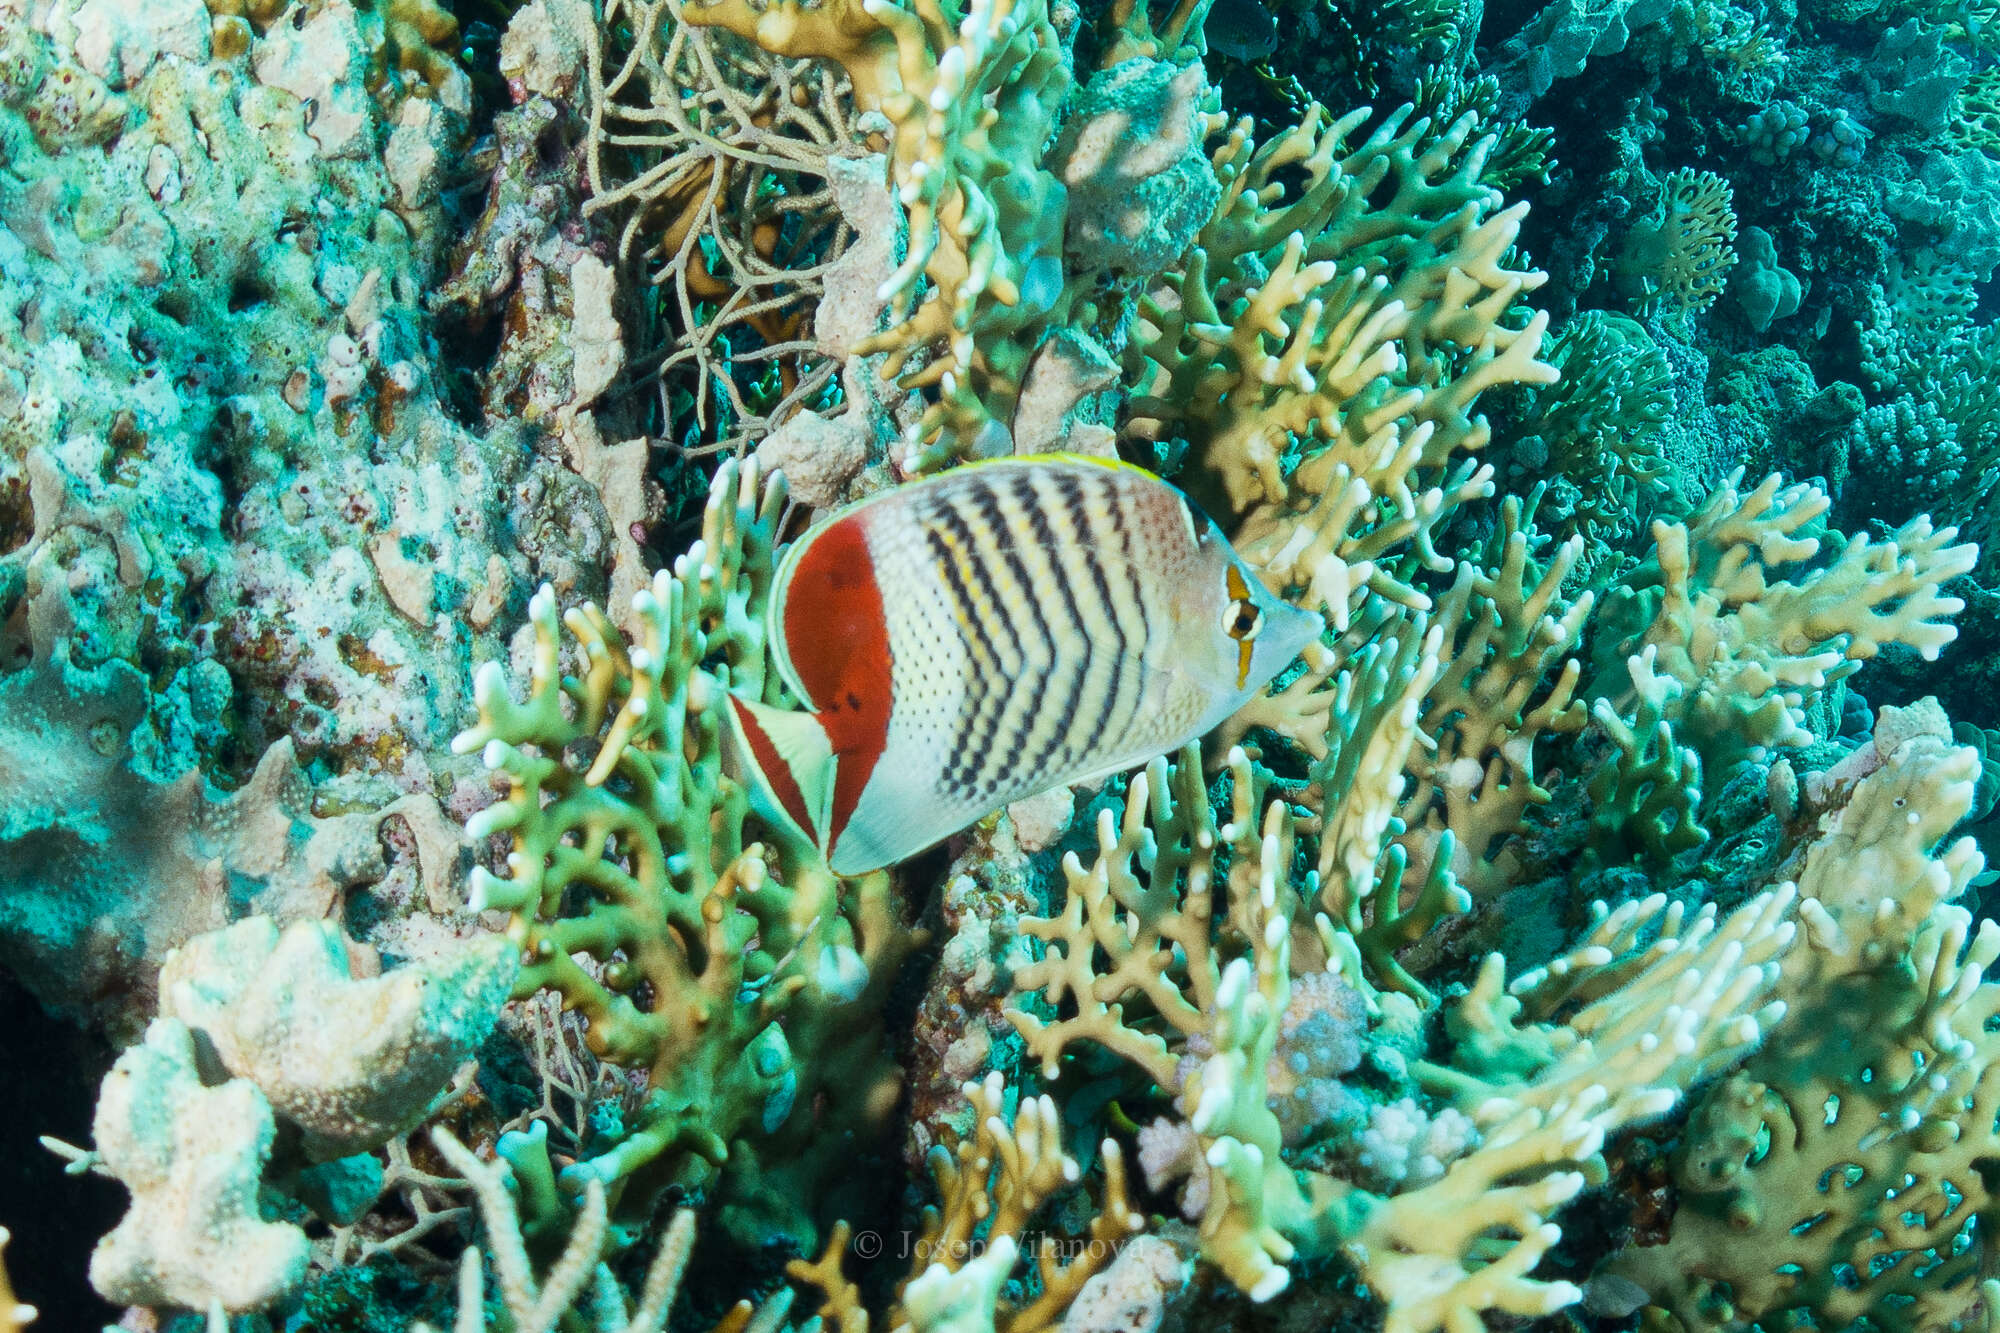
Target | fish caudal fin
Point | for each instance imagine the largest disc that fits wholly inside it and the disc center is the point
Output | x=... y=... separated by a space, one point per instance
x=786 y=761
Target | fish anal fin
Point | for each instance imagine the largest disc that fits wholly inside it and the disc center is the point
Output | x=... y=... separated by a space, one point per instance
x=786 y=761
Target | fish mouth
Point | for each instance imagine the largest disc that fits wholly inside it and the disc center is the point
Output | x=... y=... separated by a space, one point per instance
x=1290 y=629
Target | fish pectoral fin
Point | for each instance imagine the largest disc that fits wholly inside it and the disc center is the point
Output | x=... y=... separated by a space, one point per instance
x=786 y=761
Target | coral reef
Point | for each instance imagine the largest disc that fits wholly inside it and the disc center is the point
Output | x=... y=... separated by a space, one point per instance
x=404 y=408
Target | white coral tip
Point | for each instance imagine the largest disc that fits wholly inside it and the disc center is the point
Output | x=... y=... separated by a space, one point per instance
x=1270 y=1284
x=479 y=896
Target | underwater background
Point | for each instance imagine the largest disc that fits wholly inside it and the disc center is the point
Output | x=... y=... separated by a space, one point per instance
x=406 y=409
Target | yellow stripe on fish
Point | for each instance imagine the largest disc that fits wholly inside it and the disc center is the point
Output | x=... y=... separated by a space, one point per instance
x=980 y=636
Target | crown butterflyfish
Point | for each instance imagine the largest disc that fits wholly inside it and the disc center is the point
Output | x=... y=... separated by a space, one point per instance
x=990 y=633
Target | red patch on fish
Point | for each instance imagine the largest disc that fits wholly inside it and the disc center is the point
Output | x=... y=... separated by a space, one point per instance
x=837 y=634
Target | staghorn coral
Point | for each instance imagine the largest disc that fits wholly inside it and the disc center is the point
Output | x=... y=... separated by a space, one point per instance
x=744 y=978
x=1595 y=436
x=1506 y=684
x=1352 y=302
x=1277 y=974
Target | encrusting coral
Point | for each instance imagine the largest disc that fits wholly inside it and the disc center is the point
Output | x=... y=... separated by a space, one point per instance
x=262 y=1029
x=352 y=1061
x=191 y=1155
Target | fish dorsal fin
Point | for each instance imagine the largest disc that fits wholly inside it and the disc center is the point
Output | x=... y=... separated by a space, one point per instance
x=786 y=762
x=1057 y=456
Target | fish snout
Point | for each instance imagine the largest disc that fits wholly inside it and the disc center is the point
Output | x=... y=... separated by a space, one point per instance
x=1288 y=630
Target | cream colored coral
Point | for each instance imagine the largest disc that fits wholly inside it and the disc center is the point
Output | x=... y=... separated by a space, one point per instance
x=1178 y=1000
x=14 y=1313
x=352 y=1061
x=1314 y=313
x=192 y=1156
x=1857 y=1139
x=990 y=1186
x=1737 y=633
x=1131 y=1295
x=1506 y=680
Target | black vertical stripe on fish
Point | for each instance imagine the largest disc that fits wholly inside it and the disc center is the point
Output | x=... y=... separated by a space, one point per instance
x=1079 y=518
x=985 y=651
x=1137 y=664
x=1024 y=703
x=978 y=744
x=984 y=707
x=1058 y=742
x=1130 y=691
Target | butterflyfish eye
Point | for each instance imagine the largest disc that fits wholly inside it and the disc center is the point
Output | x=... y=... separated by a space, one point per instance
x=1242 y=620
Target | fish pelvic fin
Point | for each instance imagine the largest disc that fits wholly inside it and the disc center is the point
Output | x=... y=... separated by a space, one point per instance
x=785 y=761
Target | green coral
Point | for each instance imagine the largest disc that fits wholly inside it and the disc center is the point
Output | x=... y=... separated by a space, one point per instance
x=1593 y=437
x=743 y=978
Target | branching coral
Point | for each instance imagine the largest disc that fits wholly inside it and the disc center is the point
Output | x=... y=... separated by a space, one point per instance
x=744 y=978
x=1352 y=303
x=1846 y=1173
x=1271 y=981
x=1679 y=258
x=1146 y=961
x=991 y=1185
x=1593 y=436
x=970 y=94
x=537 y=1303
x=711 y=158
x=14 y=1314
x=1730 y=651
x=1507 y=683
